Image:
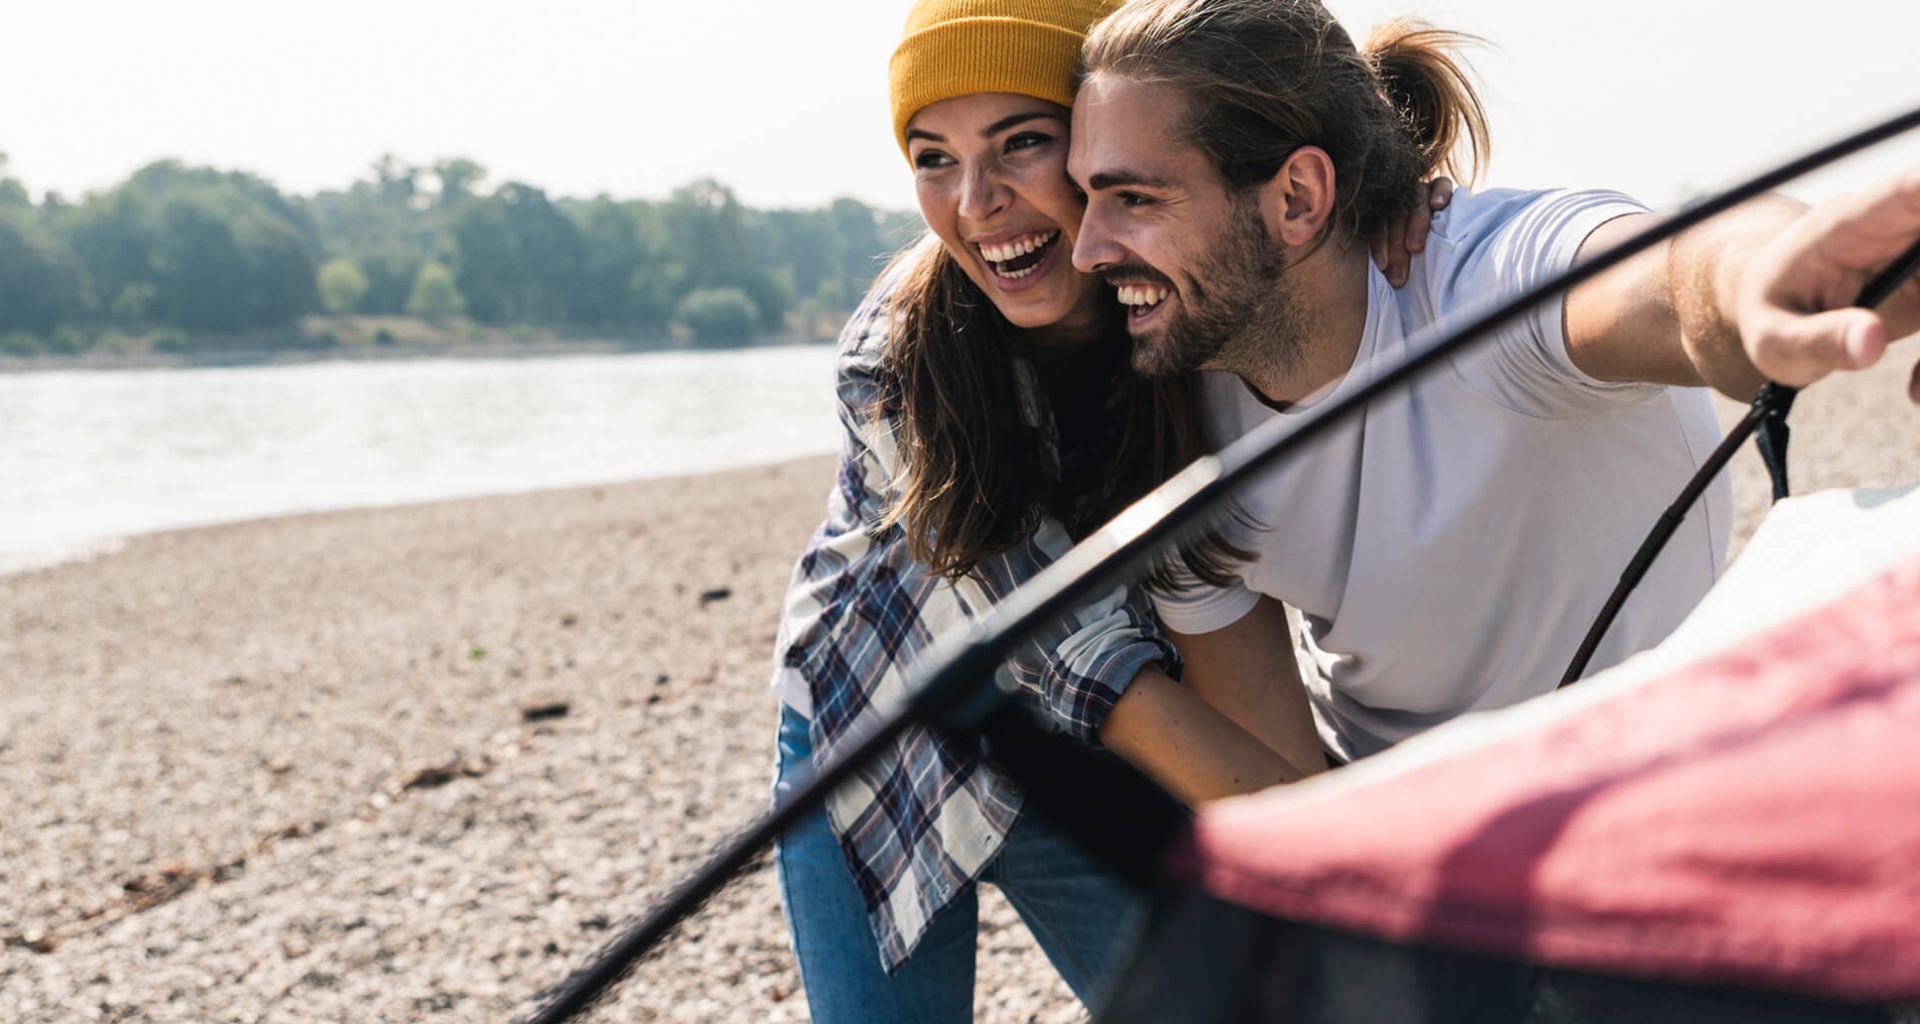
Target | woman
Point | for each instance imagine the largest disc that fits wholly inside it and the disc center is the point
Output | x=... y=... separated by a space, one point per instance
x=990 y=419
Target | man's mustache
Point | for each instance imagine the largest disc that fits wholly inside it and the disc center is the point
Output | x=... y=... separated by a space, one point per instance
x=1136 y=273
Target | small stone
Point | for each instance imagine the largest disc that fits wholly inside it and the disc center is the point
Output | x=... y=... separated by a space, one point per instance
x=540 y=711
x=432 y=776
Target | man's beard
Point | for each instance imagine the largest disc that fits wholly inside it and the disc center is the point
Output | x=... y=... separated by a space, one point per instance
x=1235 y=312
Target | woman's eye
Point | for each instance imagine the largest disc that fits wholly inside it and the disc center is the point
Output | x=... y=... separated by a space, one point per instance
x=1027 y=140
x=930 y=159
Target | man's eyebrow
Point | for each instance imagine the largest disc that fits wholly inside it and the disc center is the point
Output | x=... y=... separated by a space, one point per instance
x=1117 y=179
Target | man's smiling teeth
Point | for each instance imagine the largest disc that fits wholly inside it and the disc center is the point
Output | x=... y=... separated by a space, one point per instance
x=1000 y=252
x=1141 y=294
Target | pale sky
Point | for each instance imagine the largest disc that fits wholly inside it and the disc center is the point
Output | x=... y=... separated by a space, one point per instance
x=786 y=100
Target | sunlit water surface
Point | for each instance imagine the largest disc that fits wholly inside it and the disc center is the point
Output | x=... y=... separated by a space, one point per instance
x=89 y=458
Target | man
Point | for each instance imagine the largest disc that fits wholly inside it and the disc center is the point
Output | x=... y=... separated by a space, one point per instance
x=1447 y=549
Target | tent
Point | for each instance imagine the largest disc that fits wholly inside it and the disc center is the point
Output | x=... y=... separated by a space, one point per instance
x=1726 y=827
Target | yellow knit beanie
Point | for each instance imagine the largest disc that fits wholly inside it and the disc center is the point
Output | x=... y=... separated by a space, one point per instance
x=955 y=47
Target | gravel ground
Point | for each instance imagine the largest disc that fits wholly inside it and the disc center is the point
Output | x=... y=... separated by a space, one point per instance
x=318 y=768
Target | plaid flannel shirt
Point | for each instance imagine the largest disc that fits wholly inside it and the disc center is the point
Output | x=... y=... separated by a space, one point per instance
x=920 y=823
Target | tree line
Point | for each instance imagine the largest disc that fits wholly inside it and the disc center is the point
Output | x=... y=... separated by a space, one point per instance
x=179 y=257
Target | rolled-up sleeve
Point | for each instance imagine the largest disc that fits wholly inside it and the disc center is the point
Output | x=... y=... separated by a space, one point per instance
x=1077 y=666
x=1110 y=641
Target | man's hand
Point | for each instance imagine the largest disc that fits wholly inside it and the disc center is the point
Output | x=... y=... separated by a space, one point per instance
x=1795 y=312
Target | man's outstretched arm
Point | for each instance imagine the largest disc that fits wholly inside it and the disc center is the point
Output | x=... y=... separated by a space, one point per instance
x=1757 y=294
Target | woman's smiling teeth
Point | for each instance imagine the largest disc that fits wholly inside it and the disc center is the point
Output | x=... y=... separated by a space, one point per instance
x=1141 y=297
x=1016 y=258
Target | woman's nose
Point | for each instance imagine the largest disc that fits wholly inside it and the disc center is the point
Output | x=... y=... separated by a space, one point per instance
x=983 y=194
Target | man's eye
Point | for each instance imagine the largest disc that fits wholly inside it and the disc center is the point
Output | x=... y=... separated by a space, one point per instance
x=1134 y=199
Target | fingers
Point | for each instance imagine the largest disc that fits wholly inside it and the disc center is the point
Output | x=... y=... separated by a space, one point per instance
x=1397 y=257
x=1393 y=250
x=1819 y=263
x=1421 y=221
x=1799 y=349
x=1868 y=228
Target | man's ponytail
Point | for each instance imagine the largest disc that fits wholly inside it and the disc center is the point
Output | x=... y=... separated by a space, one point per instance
x=1427 y=84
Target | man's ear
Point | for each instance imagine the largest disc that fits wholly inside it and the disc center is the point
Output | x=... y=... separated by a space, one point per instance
x=1297 y=202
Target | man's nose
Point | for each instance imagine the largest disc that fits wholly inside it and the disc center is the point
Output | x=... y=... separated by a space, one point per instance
x=1095 y=247
x=982 y=194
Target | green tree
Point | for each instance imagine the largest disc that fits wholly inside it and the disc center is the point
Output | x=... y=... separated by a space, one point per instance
x=12 y=191
x=434 y=293
x=719 y=314
x=134 y=302
x=861 y=232
x=711 y=241
x=771 y=292
x=625 y=280
x=804 y=242
x=457 y=178
x=42 y=282
x=220 y=252
x=398 y=184
x=205 y=250
x=390 y=270
x=342 y=286
x=519 y=257
x=67 y=340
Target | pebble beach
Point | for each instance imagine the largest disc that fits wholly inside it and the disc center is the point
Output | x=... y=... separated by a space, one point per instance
x=418 y=763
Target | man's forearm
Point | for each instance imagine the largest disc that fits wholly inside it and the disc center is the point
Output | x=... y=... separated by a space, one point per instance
x=1668 y=315
x=1187 y=746
x=1704 y=272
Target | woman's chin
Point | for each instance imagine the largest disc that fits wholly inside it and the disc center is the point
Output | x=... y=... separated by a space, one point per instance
x=1033 y=312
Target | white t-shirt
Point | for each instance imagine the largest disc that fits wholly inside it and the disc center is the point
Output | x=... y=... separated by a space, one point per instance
x=1447 y=549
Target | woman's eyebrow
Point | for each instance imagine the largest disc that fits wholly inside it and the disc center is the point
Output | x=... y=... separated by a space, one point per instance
x=989 y=131
x=1011 y=120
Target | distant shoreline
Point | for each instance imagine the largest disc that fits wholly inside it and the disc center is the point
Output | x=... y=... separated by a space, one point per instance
x=10 y=365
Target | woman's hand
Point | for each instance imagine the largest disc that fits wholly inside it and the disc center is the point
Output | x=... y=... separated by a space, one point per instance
x=1393 y=250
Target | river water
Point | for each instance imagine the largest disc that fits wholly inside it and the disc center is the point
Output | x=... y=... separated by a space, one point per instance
x=91 y=457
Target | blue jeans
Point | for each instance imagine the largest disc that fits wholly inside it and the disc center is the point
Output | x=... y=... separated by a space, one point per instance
x=1084 y=919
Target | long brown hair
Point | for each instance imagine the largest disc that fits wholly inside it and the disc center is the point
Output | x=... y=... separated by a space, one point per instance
x=976 y=478
x=1264 y=77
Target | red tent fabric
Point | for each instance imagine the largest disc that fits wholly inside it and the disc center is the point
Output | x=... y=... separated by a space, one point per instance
x=1750 y=817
